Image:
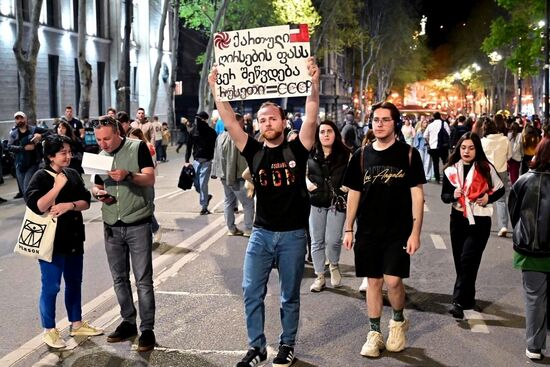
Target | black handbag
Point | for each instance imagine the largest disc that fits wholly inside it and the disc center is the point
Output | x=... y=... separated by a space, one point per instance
x=187 y=177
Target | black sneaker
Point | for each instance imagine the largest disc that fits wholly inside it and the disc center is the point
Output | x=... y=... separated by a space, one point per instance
x=254 y=357
x=124 y=331
x=2 y=200
x=204 y=211
x=285 y=357
x=18 y=196
x=146 y=341
x=457 y=311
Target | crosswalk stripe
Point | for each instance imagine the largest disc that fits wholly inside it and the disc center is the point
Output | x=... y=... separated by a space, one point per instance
x=438 y=241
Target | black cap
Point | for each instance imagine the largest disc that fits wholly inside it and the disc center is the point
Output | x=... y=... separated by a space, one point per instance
x=202 y=115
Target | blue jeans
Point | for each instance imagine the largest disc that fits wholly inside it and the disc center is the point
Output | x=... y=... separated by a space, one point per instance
x=231 y=194
x=122 y=245
x=500 y=204
x=159 y=150
x=427 y=162
x=24 y=176
x=287 y=250
x=325 y=228
x=202 y=175
x=70 y=266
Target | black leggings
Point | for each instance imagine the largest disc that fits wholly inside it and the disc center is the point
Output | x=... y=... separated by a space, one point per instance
x=468 y=242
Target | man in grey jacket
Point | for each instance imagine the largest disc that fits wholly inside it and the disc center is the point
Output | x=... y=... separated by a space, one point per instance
x=228 y=165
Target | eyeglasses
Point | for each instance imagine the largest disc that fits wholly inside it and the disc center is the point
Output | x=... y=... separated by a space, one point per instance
x=103 y=122
x=384 y=120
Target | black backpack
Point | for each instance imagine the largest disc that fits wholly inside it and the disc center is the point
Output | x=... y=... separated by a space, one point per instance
x=187 y=177
x=443 y=137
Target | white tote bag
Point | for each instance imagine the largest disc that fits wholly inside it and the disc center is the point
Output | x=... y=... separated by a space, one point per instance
x=37 y=235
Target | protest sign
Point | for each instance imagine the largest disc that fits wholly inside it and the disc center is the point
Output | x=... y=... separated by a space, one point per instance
x=262 y=63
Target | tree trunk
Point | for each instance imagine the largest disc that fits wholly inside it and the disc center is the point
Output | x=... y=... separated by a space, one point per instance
x=536 y=85
x=204 y=91
x=174 y=61
x=26 y=59
x=85 y=69
x=122 y=85
x=156 y=70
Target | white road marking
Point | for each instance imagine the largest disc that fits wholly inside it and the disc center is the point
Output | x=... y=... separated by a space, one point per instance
x=438 y=241
x=426 y=209
x=111 y=316
x=175 y=293
x=476 y=322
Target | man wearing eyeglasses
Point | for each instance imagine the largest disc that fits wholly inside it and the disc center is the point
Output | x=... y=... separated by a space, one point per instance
x=127 y=196
x=386 y=196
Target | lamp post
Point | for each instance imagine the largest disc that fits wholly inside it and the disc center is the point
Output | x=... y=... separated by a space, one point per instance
x=520 y=90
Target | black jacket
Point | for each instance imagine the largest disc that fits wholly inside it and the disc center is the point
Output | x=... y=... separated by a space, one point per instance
x=529 y=206
x=326 y=173
x=69 y=235
x=203 y=141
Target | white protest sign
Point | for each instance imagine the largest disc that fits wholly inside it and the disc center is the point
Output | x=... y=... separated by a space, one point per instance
x=262 y=63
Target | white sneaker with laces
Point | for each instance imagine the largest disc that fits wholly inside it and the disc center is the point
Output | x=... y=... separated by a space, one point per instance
x=318 y=284
x=533 y=355
x=397 y=339
x=373 y=345
x=503 y=232
x=335 y=275
x=53 y=339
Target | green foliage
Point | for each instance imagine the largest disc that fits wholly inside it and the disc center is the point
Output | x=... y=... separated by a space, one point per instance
x=197 y=14
x=339 y=28
x=296 y=12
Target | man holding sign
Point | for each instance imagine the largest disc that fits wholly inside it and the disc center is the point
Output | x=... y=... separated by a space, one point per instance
x=279 y=233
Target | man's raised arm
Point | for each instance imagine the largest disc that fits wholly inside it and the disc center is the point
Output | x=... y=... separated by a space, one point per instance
x=236 y=132
x=309 y=126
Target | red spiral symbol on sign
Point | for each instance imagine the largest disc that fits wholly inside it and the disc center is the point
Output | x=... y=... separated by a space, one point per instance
x=222 y=40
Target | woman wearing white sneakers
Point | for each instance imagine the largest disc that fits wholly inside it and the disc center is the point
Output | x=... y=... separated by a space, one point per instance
x=59 y=190
x=325 y=172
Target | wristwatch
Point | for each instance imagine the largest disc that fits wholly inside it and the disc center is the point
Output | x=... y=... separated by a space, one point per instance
x=129 y=176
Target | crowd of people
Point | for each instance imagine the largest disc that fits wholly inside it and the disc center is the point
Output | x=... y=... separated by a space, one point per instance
x=302 y=183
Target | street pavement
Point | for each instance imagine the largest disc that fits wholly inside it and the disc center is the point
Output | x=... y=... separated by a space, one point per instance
x=200 y=318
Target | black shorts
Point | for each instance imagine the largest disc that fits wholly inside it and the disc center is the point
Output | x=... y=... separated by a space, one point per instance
x=374 y=259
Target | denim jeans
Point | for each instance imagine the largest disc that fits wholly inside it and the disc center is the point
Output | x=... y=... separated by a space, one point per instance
x=231 y=194
x=70 y=266
x=24 y=176
x=325 y=228
x=500 y=204
x=427 y=162
x=159 y=150
x=202 y=175
x=122 y=245
x=265 y=248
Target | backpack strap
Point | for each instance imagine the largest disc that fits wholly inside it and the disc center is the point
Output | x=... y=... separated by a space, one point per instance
x=363 y=160
x=410 y=155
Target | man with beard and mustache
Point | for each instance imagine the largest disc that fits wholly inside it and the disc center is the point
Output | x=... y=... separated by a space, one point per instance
x=279 y=232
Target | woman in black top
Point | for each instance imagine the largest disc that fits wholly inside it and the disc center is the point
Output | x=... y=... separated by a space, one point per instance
x=471 y=184
x=325 y=172
x=60 y=191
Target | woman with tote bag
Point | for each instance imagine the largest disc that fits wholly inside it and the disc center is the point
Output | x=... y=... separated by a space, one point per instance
x=59 y=190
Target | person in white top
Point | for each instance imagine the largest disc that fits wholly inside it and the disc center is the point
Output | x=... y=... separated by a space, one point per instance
x=435 y=150
x=498 y=152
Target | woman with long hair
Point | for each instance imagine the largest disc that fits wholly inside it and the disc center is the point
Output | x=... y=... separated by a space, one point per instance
x=325 y=173
x=60 y=191
x=420 y=143
x=470 y=183
x=530 y=139
x=77 y=148
x=514 y=163
x=529 y=207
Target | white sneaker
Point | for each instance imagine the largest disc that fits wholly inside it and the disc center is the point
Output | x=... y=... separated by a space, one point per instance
x=533 y=355
x=373 y=345
x=364 y=285
x=503 y=232
x=335 y=276
x=53 y=339
x=318 y=284
x=397 y=340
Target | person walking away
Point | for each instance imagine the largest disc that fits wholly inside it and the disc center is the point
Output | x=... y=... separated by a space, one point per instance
x=420 y=144
x=386 y=195
x=228 y=165
x=157 y=126
x=530 y=140
x=470 y=183
x=498 y=151
x=349 y=132
x=435 y=134
x=326 y=166
x=529 y=207
x=24 y=141
x=279 y=233
x=127 y=198
x=516 y=146
x=166 y=137
x=59 y=191
x=203 y=140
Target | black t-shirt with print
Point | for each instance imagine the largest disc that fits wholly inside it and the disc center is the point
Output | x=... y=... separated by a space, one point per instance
x=385 y=206
x=282 y=203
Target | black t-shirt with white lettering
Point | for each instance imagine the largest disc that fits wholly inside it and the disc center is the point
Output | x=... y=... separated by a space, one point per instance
x=282 y=203
x=385 y=206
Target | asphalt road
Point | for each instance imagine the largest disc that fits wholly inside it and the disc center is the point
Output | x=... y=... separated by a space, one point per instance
x=200 y=321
